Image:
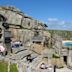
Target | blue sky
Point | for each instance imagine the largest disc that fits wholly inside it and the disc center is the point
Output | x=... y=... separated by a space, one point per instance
x=56 y=13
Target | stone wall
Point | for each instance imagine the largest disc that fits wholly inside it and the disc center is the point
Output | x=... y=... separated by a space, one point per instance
x=15 y=17
x=57 y=43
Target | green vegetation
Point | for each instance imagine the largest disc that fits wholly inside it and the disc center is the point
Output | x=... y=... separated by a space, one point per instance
x=63 y=34
x=3 y=66
x=55 y=55
x=13 y=68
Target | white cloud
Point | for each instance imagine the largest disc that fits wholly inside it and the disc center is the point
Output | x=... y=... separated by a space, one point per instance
x=54 y=23
x=62 y=22
x=52 y=19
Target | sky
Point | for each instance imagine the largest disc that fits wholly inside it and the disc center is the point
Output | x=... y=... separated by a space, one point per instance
x=56 y=13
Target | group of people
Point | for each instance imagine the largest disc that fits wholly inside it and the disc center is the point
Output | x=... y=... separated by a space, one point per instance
x=16 y=44
x=30 y=59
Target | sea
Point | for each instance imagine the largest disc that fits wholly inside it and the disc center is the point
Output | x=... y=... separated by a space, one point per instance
x=68 y=44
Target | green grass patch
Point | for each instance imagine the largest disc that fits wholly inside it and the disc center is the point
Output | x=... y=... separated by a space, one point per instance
x=3 y=66
x=13 y=68
x=55 y=55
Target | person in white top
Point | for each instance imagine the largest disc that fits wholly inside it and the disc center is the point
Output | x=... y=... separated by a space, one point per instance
x=43 y=66
x=2 y=49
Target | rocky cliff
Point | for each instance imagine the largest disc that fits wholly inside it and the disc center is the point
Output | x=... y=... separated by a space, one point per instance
x=17 y=19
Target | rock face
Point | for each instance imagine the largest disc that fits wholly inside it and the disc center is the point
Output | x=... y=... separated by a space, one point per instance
x=15 y=18
x=57 y=43
x=27 y=30
x=11 y=14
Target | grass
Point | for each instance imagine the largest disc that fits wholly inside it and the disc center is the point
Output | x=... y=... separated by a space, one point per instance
x=3 y=66
x=55 y=55
x=13 y=68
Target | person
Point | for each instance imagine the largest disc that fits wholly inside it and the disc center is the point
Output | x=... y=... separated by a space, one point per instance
x=54 y=68
x=43 y=66
x=21 y=43
x=2 y=49
x=16 y=44
x=29 y=58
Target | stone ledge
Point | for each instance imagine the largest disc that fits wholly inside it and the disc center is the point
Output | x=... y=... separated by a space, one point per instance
x=69 y=65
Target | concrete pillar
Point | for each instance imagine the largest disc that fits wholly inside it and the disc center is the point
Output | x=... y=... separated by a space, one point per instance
x=69 y=60
x=8 y=47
